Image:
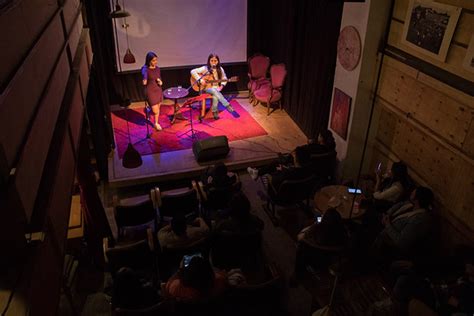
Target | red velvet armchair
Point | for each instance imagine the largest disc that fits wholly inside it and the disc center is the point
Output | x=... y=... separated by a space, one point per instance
x=258 y=68
x=271 y=93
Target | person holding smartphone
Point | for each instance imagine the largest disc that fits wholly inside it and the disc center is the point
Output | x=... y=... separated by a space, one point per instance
x=196 y=281
x=315 y=240
x=391 y=187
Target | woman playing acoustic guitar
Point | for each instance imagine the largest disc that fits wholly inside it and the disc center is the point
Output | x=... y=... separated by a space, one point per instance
x=212 y=80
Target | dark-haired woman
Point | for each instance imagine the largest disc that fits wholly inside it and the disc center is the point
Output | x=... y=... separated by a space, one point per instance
x=392 y=187
x=317 y=243
x=197 y=281
x=152 y=82
x=213 y=71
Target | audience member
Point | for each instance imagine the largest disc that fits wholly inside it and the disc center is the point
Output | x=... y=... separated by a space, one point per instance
x=197 y=281
x=130 y=292
x=318 y=242
x=391 y=187
x=218 y=176
x=241 y=220
x=277 y=173
x=408 y=228
x=179 y=234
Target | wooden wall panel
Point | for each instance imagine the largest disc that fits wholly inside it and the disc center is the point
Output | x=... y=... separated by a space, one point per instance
x=21 y=26
x=465 y=28
x=20 y=99
x=70 y=10
x=432 y=108
x=441 y=168
x=32 y=159
x=76 y=115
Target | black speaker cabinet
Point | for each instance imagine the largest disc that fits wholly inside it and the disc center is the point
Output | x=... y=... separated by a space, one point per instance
x=211 y=148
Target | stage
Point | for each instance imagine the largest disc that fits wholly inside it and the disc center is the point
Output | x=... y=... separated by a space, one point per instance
x=282 y=135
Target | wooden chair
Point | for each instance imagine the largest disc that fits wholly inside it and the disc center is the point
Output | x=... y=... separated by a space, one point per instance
x=139 y=256
x=186 y=200
x=134 y=212
x=290 y=192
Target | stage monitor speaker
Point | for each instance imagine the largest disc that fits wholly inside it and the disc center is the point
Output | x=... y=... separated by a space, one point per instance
x=211 y=148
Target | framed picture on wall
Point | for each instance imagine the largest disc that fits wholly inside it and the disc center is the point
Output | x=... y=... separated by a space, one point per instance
x=468 y=62
x=340 y=113
x=429 y=27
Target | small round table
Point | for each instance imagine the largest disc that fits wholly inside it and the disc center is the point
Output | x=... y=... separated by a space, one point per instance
x=337 y=196
x=176 y=93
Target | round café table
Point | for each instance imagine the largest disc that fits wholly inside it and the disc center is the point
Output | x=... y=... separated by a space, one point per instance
x=337 y=196
x=176 y=93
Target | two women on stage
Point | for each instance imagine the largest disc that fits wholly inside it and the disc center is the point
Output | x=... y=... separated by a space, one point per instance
x=211 y=79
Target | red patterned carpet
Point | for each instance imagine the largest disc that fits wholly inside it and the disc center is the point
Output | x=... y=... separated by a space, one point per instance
x=175 y=137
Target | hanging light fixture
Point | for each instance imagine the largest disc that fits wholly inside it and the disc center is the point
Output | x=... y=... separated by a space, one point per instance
x=118 y=12
x=128 y=58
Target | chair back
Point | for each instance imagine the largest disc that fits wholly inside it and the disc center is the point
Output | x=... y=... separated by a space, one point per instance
x=139 y=256
x=277 y=75
x=258 y=66
x=183 y=201
x=324 y=166
x=134 y=214
x=293 y=191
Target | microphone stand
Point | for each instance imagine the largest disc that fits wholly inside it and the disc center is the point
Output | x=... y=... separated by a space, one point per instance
x=200 y=92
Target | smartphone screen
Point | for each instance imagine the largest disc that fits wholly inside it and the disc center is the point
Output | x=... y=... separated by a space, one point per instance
x=354 y=191
x=379 y=167
x=317 y=218
x=187 y=258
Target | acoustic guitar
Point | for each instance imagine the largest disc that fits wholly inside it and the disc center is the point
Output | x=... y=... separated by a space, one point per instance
x=210 y=81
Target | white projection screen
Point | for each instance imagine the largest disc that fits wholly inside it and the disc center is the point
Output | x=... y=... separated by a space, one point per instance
x=181 y=32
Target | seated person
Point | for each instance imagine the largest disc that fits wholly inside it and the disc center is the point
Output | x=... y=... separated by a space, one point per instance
x=130 y=292
x=329 y=234
x=408 y=228
x=391 y=187
x=324 y=143
x=451 y=295
x=178 y=234
x=218 y=176
x=241 y=220
x=277 y=173
x=197 y=281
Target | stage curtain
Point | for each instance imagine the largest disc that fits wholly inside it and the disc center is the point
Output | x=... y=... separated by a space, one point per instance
x=304 y=37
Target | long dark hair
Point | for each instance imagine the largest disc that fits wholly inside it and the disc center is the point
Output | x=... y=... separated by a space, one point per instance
x=331 y=230
x=149 y=57
x=400 y=173
x=198 y=275
x=218 y=66
x=328 y=139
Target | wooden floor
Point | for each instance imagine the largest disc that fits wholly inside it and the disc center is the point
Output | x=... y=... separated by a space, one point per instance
x=283 y=136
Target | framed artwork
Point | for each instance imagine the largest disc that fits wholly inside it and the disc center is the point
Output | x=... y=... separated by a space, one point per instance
x=468 y=62
x=341 y=110
x=429 y=27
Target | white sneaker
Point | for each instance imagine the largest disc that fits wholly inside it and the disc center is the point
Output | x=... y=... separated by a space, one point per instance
x=253 y=173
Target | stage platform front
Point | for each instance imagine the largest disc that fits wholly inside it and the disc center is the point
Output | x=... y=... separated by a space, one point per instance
x=283 y=135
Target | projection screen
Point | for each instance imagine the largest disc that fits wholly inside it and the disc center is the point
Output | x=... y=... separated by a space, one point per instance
x=181 y=32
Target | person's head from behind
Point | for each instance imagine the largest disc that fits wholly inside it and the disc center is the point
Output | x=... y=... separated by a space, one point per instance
x=151 y=59
x=239 y=206
x=331 y=218
x=178 y=224
x=326 y=138
x=126 y=288
x=198 y=275
x=219 y=173
x=422 y=196
x=213 y=61
x=399 y=171
x=301 y=157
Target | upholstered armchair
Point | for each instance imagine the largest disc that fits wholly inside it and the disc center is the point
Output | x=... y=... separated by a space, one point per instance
x=272 y=93
x=258 y=67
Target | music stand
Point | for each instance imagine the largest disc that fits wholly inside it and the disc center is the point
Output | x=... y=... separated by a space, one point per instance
x=189 y=104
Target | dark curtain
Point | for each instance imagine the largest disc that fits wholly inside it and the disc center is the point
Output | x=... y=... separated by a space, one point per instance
x=303 y=34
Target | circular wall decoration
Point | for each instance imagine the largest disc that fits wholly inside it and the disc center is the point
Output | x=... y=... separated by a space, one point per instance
x=349 y=48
